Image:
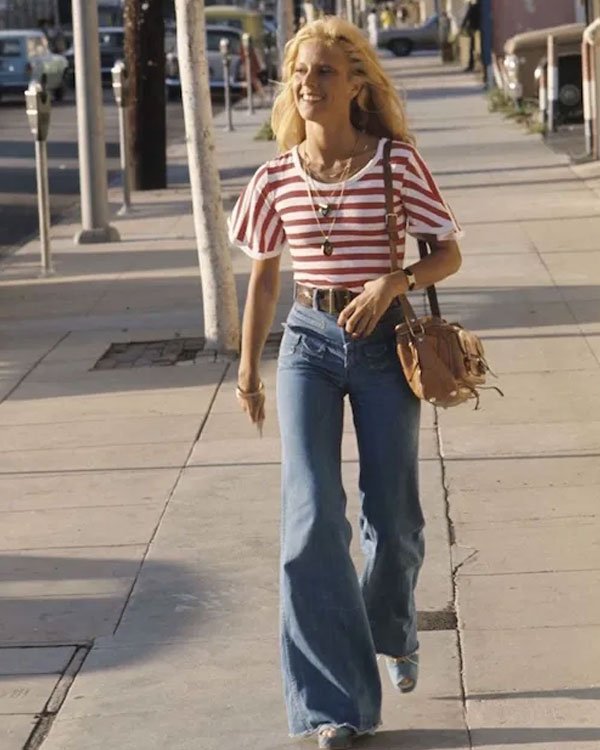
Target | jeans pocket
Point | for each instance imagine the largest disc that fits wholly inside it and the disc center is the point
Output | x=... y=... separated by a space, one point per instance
x=312 y=347
x=289 y=343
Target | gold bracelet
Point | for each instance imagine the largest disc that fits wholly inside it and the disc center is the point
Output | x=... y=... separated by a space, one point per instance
x=244 y=394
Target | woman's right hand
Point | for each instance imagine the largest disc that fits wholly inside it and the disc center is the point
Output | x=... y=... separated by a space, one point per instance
x=250 y=393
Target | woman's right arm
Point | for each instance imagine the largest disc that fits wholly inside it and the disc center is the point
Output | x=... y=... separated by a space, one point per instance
x=259 y=312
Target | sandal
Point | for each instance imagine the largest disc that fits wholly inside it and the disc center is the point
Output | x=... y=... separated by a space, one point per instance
x=404 y=671
x=335 y=738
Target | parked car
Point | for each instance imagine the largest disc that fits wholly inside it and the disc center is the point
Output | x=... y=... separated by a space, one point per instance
x=245 y=21
x=404 y=39
x=214 y=34
x=524 y=52
x=25 y=57
x=112 y=48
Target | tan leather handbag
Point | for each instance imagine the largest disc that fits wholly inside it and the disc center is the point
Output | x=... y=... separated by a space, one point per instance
x=443 y=362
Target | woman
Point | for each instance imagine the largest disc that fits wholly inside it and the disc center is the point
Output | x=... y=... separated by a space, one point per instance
x=324 y=195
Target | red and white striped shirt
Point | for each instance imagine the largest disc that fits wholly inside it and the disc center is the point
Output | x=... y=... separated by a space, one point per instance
x=275 y=207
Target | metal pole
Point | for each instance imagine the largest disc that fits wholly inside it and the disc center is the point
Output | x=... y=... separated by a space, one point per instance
x=125 y=165
x=90 y=127
x=41 y=166
x=588 y=96
x=247 y=44
x=542 y=97
x=552 y=85
x=227 y=89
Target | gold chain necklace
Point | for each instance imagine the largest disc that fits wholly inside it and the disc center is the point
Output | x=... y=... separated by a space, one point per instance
x=325 y=208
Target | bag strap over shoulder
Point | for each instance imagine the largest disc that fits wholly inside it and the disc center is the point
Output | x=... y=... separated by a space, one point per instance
x=391 y=223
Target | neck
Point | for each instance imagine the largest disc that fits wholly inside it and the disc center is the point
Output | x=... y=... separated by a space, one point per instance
x=330 y=144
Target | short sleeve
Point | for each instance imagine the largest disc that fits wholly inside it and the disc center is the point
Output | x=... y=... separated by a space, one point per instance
x=254 y=225
x=426 y=210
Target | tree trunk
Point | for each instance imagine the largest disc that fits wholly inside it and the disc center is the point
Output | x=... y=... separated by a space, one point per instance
x=145 y=60
x=221 y=321
x=285 y=26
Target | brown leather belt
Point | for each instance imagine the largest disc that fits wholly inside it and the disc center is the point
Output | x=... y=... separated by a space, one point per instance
x=331 y=300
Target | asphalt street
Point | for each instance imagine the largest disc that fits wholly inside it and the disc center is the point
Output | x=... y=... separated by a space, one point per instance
x=18 y=200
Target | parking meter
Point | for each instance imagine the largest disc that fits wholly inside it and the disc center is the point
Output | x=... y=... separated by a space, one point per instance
x=121 y=91
x=37 y=102
x=248 y=52
x=226 y=56
x=120 y=83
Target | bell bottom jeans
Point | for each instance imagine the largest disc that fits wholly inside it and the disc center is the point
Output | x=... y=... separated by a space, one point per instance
x=333 y=624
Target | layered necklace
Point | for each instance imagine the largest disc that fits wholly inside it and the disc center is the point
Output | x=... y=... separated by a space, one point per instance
x=323 y=207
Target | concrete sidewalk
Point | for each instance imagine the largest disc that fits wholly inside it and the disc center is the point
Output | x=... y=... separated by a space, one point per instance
x=139 y=511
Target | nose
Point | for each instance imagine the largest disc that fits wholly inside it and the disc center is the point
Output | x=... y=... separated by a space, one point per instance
x=308 y=77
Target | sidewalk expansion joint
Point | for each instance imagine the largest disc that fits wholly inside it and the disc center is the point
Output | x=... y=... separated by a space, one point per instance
x=182 y=468
x=56 y=699
x=56 y=344
x=454 y=576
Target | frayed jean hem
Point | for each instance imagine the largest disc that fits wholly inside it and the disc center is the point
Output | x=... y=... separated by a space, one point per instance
x=358 y=732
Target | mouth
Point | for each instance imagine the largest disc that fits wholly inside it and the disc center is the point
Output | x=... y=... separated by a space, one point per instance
x=311 y=98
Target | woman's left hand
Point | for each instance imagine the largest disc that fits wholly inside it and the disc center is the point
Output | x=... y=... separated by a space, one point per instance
x=360 y=317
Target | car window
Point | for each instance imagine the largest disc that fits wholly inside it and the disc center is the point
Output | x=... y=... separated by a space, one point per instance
x=37 y=45
x=109 y=39
x=214 y=37
x=10 y=47
x=234 y=23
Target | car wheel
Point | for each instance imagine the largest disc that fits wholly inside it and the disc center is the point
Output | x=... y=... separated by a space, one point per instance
x=401 y=47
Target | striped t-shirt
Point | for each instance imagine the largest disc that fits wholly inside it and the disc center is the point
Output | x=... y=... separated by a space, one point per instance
x=275 y=208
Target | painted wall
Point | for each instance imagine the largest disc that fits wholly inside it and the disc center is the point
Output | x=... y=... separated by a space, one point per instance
x=515 y=16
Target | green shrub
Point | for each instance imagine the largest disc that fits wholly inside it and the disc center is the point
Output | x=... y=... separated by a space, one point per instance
x=265 y=133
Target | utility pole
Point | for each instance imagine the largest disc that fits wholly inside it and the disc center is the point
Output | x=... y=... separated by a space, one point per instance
x=145 y=62
x=221 y=317
x=90 y=127
x=285 y=26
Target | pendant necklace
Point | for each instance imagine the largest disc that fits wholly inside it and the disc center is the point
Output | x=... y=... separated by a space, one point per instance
x=323 y=209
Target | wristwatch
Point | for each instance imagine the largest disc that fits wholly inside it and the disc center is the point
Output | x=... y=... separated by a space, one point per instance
x=410 y=277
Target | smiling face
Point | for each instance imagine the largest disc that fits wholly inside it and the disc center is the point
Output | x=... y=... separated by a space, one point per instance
x=322 y=83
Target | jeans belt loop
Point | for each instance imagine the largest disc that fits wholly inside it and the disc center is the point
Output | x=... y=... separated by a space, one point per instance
x=331 y=300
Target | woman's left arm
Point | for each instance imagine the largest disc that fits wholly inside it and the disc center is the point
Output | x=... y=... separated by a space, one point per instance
x=443 y=261
x=361 y=316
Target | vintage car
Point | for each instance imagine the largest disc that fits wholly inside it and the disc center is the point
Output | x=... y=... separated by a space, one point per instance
x=24 y=57
x=524 y=52
x=404 y=39
x=214 y=34
x=112 y=48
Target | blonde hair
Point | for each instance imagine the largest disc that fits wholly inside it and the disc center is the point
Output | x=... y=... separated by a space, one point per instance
x=377 y=108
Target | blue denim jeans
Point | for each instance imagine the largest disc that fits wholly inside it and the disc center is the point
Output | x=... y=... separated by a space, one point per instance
x=333 y=623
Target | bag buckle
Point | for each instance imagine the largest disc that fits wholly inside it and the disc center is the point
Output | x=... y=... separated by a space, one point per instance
x=421 y=334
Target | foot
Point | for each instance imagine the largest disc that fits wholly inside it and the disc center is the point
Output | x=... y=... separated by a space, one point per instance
x=335 y=738
x=404 y=671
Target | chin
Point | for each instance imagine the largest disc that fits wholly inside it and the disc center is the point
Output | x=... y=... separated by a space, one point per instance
x=312 y=113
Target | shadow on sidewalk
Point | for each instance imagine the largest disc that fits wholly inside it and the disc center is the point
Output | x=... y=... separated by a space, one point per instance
x=168 y=601
x=436 y=739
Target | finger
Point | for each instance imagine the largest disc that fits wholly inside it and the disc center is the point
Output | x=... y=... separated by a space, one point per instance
x=353 y=319
x=257 y=409
x=346 y=313
x=359 y=322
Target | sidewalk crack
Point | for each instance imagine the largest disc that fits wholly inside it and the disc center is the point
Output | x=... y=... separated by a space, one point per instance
x=454 y=577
